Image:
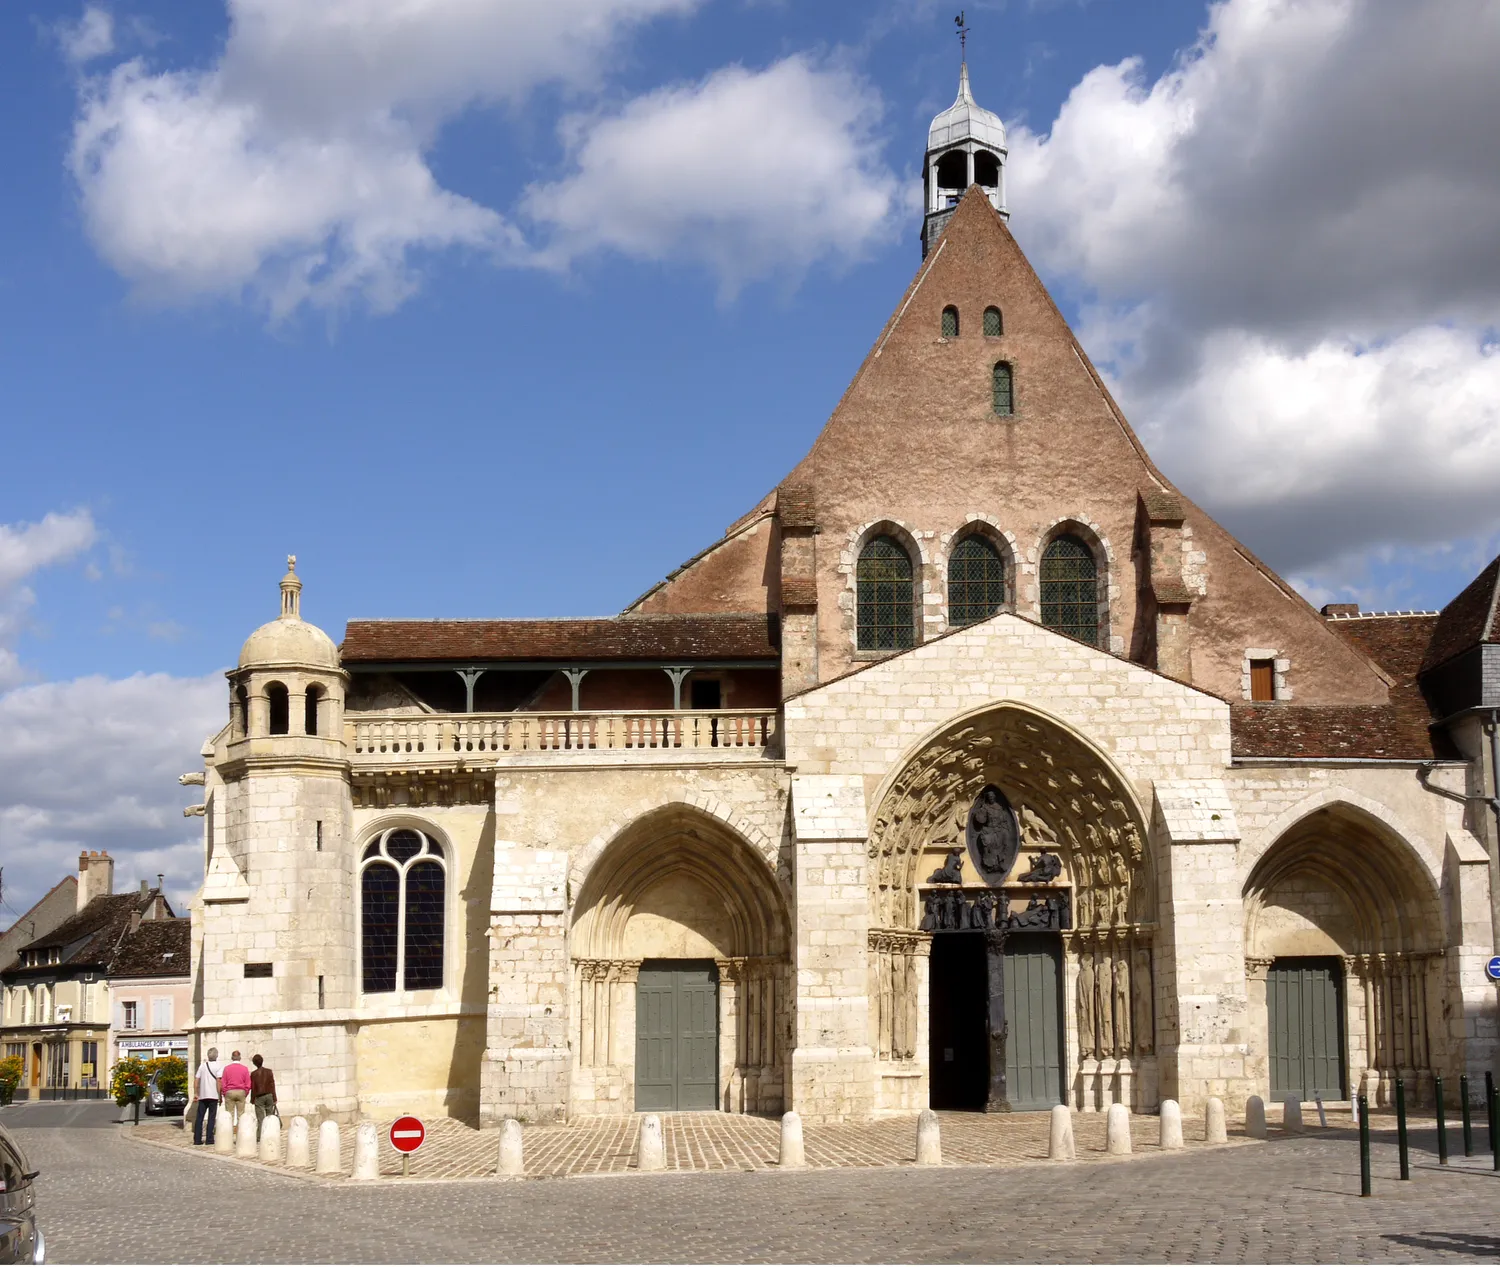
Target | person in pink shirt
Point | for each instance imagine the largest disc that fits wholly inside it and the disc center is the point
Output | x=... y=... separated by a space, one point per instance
x=236 y=1080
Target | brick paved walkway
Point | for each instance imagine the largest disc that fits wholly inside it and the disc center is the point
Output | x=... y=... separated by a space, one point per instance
x=726 y=1141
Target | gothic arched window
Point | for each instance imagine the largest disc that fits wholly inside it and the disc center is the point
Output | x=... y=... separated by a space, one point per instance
x=993 y=326
x=311 y=701
x=1002 y=388
x=885 y=620
x=976 y=581
x=1070 y=589
x=950 y=322
x=278 y=709
x=402 y=889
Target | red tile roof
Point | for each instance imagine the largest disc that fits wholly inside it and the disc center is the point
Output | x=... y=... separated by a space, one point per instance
x=1471 y=618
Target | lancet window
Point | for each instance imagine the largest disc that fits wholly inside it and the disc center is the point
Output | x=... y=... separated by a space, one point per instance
x=976 y=581
x=402 y=885
x=1070 y=589
x=886 y=618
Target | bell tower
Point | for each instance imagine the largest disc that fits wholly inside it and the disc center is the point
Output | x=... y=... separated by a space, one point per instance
x=965 y=146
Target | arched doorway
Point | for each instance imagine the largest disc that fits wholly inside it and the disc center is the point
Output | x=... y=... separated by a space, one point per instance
x=1342 y=951
x=1013 y=906
x=681 y=983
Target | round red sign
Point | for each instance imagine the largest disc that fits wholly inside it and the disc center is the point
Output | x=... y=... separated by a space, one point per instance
x=407 y=1134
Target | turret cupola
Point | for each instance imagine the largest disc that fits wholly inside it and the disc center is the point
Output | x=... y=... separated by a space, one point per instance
x=965 y=146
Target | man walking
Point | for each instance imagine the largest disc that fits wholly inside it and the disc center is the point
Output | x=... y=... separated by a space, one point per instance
x=262 y=1092
x=236 y=1082
x=206 y=1093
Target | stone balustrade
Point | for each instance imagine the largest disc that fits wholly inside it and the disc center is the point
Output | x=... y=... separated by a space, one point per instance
x=404 y=740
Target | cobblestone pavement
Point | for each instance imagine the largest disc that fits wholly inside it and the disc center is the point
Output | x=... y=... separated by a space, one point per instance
x=105 y=1197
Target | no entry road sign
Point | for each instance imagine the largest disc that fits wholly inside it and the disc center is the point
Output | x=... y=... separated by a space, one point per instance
x=1492 y=969
x=407 y=1134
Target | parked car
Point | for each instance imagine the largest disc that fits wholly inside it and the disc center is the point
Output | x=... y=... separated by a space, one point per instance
x=163 y=1102
x=21 y=1238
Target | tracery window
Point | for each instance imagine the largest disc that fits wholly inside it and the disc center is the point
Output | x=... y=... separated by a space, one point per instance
x=883 y=583
x=993 y=327
x=950 y=322
x=1002 y=389
x=402 y=885
x=1070 y=589
x=976 y=581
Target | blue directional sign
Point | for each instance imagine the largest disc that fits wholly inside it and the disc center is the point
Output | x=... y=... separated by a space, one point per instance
x=1492 y=968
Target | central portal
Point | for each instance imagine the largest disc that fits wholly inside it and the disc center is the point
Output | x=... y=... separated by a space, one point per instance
x=677 y=1035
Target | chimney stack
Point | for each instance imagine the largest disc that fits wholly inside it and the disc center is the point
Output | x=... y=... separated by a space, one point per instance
x=96 y=876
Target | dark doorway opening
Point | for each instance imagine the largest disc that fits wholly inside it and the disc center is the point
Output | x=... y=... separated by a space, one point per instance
x=957 y=1022
x=707 y=694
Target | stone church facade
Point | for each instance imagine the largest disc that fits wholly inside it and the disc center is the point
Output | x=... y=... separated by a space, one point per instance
x=976 y=766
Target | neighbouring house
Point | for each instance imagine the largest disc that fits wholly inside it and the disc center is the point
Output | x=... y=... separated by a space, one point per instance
x=55 y=999
x=60 y=902
x=150 y=991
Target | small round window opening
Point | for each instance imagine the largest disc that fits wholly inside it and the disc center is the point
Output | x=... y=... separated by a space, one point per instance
x=402 y=885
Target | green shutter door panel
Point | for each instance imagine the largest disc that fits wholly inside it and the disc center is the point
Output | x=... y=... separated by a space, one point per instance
x=1033 y=1008
x=1304 y=1002
x=697 y=1040
x=655 y=1041
x=676 y=1036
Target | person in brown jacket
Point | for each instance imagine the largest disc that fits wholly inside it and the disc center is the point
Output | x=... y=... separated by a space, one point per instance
x=262 y=1092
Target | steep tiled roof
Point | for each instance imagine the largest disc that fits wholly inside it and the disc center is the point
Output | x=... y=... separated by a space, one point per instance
x=737 y=636
x=158 y=948
x=95 y=931
x=1365 y=731
x=1471 y=618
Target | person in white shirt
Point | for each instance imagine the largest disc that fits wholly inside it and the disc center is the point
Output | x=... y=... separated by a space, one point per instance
x=206 y=1088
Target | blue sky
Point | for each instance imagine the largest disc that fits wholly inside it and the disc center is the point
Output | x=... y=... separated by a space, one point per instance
x=509 y=315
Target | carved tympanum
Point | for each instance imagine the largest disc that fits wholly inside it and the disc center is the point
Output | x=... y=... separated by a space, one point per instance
x=994 y=838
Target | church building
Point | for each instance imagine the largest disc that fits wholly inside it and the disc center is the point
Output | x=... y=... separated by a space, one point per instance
x=974 y=767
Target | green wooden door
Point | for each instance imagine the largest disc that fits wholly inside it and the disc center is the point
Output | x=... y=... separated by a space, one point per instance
x=1304 y=999
x=676 y=1035
x=1033 y=1010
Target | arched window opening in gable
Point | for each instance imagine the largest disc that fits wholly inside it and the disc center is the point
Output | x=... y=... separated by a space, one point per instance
x=1002 y=389
x=986 y=169
x=239 y=713
x=278 y=705
x=976 y=581
x=993 y=326
x=953 y=170
x=950 y=322
x=1070 y=589
x=886 y=620
x=312 y=702
x=403 y=905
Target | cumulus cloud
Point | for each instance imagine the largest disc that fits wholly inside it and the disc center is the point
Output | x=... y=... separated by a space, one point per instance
x=24 y=550
x=1288 y=254
x=93 y=764
x=747 y=172
x=92 y=36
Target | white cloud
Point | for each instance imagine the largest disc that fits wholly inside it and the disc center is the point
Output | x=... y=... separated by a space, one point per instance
x=24 y=550
x=1288 y=251
x=92 y=36
x=747 y=172
x=93 y=764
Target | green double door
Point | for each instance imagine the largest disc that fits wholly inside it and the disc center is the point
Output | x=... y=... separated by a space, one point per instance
x=677 y=1035
x=1304 y=999
x=1033 y=1005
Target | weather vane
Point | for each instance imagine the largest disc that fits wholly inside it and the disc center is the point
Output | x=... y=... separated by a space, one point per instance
x=963 y=35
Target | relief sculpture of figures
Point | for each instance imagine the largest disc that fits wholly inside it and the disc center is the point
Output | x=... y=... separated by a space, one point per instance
x=1045 y=867
x=1122 y=1006
x=1086 y=1007
x=952 y=870
x=1143 y=1010
x=993 y=837
x=1103 y=991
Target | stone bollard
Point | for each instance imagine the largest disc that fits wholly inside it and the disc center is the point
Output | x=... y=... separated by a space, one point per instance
x=1214 y=1129
x=651 y=1152
x=224 y=1135
x=297 y=1144
x=929 y=1139
x=792 y=1157
x=1060 y=1138
x=1117 y=1131
x=366 y=1153
x=329 y=1160
x=1291 y=1115
x=1171 y=1125
x=270 y=1140
x=1255 y=1117
x=244 y=1137
x=510 y=1161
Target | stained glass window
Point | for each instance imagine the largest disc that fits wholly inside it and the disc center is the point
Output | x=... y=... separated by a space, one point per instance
x=883 y=585
x=1003 y=389
x=950 y=323
x=403 y=891
x=992 y=326
x=976 y=581
x=1070 y=589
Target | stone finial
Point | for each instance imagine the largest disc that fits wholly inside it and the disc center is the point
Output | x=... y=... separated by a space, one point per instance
x=291 y=591
x=1117 y=1131
x=329 y=1160
x=1255 y=1117
x=511 y=1160
x=929 y=1139
x=298 y=1154
x=1291 y=1115
x=1060 y=1136
x=1171 y=1125
x=366 y=1153
x=245 y=1144
x=1215 y=1131
x=651 y=1152
x=792 y=1156
x=270 y=1140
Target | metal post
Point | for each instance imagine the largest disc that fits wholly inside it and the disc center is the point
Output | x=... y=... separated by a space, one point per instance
x=1494 y=1118
x=1364 y=1147
x=1401 y=1128
x=1442 y=1123
x=1463 y=1094
x=1489 y=1105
